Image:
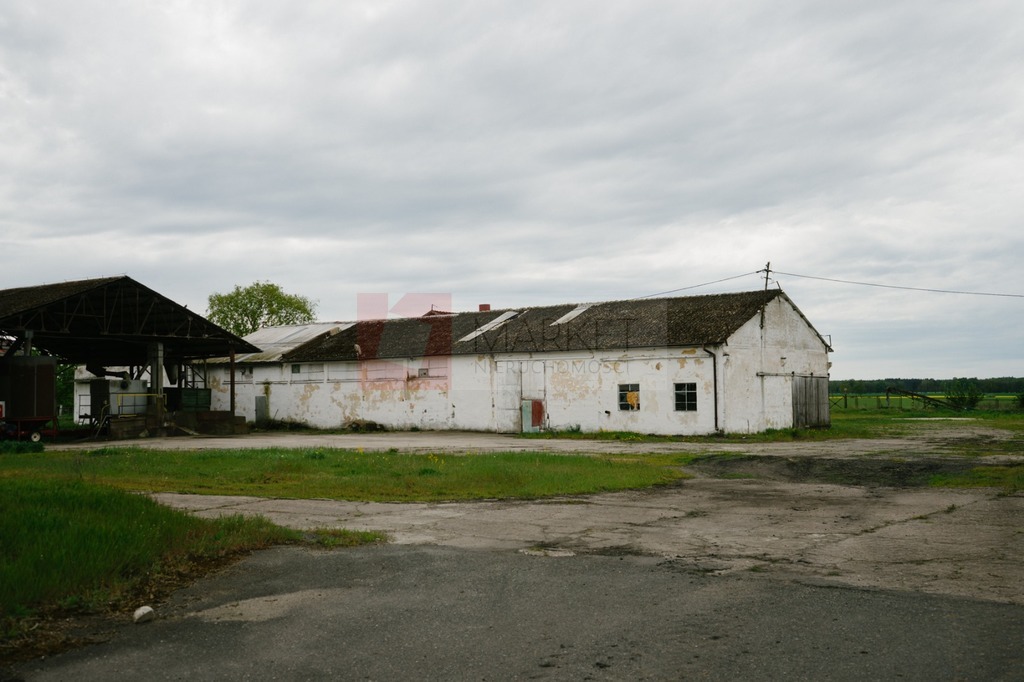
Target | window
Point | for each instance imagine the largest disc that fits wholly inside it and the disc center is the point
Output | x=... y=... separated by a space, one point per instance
x=440 y=367
x=305 y=373
x=629 y=397
x=384 y=370
x=686 y=397
x=343 y=371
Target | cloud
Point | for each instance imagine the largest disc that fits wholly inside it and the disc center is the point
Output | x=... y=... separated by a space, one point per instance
x=527 y=153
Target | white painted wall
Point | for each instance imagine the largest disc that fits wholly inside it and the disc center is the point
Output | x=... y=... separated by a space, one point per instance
x=482 y=392
x=758 y=365
x=82 y=404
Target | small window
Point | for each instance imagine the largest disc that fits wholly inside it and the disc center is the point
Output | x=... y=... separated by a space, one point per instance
x=686 y=397
x=306 y=373
x=346 y=371
x=629 y=397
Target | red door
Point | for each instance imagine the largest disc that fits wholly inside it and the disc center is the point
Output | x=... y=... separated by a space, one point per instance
x=537 y=420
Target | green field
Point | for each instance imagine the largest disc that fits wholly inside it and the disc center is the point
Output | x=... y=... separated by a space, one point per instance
x=879 y=401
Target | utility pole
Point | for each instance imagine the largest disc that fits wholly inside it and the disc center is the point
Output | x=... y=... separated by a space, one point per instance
x=767 y=274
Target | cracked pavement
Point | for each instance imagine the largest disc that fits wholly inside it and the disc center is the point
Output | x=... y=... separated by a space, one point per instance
x=963 y=542
x=957 y=542
x=710 y=578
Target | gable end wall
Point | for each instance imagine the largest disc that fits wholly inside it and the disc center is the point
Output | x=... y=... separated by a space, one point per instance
x=759 y=365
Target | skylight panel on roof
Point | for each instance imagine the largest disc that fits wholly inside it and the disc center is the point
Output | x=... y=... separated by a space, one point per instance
x=572 y=314
x=493 y=324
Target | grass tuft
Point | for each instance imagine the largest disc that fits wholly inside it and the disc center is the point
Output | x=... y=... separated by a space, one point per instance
x=332 y=538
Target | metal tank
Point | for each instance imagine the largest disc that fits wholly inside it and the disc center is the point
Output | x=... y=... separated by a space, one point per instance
x=28 y=396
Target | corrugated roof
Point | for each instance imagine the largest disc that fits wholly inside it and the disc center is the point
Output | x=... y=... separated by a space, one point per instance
x=22 y=299
x=614 y=325
x=274 y=342
x=110 y=321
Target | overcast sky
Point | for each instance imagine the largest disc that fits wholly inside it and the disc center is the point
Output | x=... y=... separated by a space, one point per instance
x=526 y=153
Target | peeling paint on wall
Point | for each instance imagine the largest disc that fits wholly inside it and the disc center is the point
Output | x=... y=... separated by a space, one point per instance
x=485 y=391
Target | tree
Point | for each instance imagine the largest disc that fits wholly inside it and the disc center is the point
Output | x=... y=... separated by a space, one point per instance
x=65 y=378
x=261 y=304
x=964 y=394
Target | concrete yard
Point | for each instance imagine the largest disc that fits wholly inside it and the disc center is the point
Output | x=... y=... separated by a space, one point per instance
x=770 y=575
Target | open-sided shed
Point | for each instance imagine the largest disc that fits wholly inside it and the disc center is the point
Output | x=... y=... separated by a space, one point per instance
x=100 y=323
x=109 y=321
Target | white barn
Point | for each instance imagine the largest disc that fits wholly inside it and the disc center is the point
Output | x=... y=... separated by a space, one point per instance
x=737 y=363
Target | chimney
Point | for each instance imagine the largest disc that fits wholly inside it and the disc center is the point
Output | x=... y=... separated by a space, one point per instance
x=485 y=307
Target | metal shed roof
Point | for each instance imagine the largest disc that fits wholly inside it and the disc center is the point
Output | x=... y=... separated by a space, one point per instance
x=110 y=321
x=274 y=342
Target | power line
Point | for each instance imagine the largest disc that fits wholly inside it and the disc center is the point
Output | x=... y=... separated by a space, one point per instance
x=697 y=286
x=768 y=271
x=893 y=286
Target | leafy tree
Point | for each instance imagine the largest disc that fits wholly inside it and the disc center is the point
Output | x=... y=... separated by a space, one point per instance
x=261 y=304
x=65 y=387
x=964 y=394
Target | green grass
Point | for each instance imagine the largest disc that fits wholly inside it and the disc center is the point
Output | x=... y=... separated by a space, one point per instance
x=19 y=446
x=874 y=401
x=332 y=538
x=72 y=547
x=846 y=423
x=74 y=536
x=1010 y=478
x=347 y=474
x=576 y=434
x=70 y=542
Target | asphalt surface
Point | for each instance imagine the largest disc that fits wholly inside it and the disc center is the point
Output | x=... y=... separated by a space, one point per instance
x=717 y=579
x=421 y=612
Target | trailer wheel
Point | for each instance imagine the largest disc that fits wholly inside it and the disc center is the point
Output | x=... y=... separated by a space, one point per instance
x=35 y=437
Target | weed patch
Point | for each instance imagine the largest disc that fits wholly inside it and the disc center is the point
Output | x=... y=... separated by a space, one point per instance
x=332 y=538
x=1009 y=478
x=71 y=547
x=19 y=447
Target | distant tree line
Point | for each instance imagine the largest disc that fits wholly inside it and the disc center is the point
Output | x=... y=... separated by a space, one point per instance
x=999 y=385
